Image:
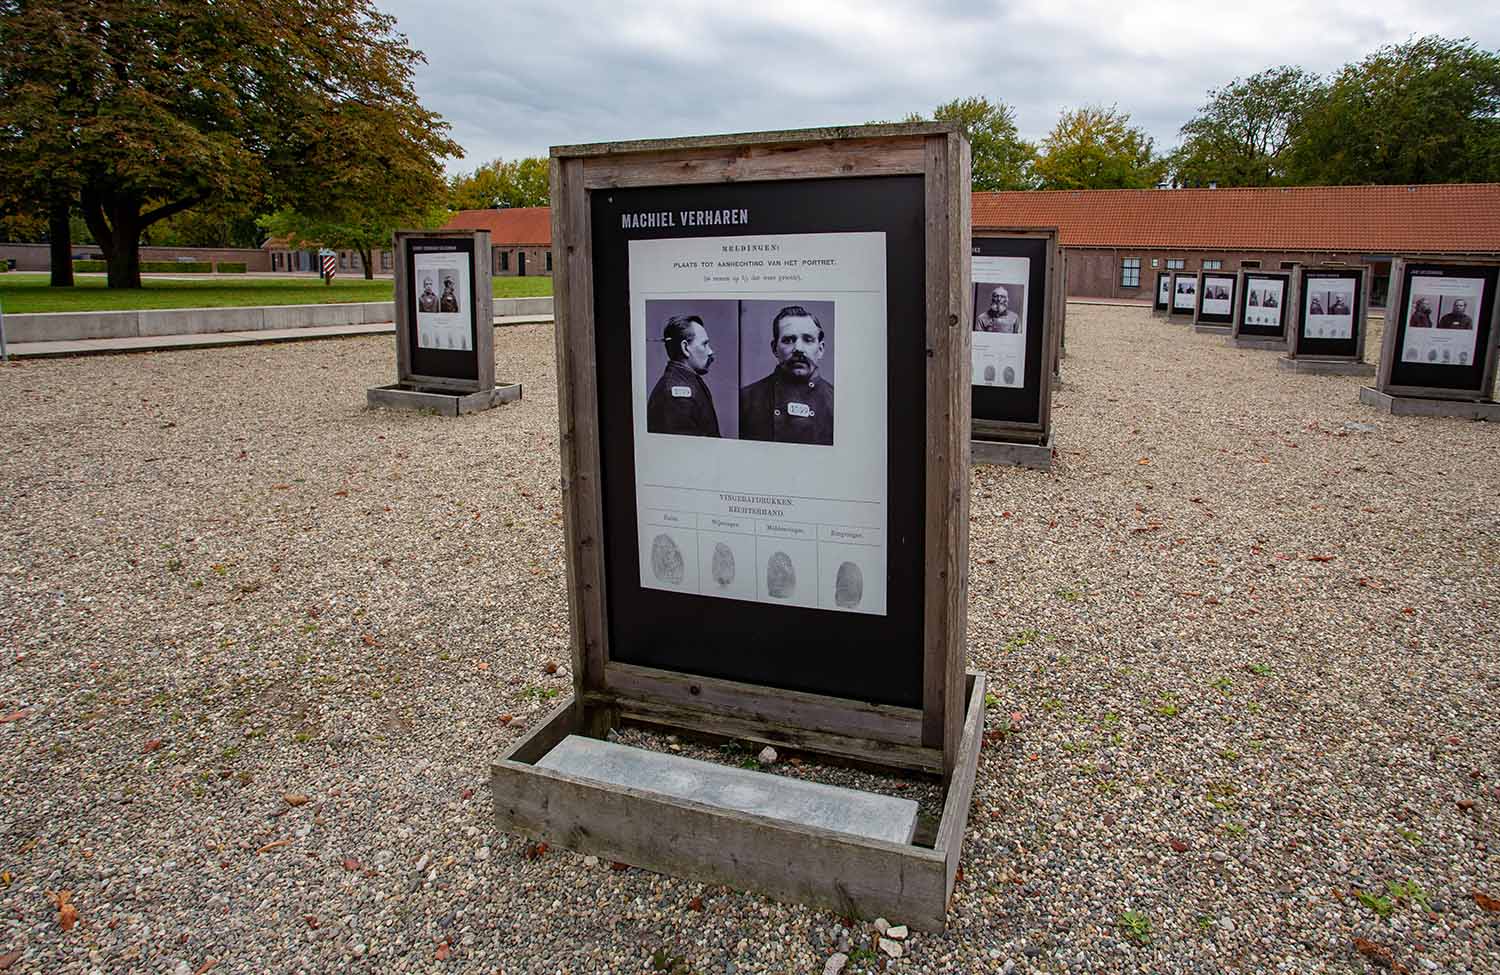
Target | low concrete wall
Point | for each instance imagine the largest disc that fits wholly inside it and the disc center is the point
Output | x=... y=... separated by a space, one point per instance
x=70 y=326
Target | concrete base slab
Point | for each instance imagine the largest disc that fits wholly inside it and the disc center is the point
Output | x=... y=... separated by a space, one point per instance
x=400 y=397
x=1256 y=342
x=1423 y=406
x=1327 y=367
x=1004 y=453
x=1212 y=329
x=791 y=800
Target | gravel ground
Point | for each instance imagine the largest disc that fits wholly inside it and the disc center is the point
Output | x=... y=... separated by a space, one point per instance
x=256 y=645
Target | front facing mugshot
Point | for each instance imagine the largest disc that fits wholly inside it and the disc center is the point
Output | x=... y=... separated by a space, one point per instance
x=793 y=404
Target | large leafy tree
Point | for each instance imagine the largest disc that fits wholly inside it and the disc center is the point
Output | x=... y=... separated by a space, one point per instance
x=517 y=183
x=1096 y=148
x=1426 y=111
x=143 y=109
x=1243 y=135
x=1001 y=159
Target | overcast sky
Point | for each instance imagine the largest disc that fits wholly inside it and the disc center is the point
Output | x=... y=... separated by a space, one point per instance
x=516 y=78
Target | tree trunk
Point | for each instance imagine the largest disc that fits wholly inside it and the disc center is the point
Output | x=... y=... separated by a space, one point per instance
x=125 y=264
x=60 y=243
x=366 y=256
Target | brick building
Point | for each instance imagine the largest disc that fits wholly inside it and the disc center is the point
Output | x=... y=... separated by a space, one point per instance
x=520 y=238
x=1114 y=241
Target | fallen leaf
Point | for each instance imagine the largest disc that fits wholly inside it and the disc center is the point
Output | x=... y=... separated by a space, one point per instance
x=550 y=666
x=14 y=716
x=618 y=867
x=1379 y=954
x=367 y=640
x=295 y=799
x=352 y=864
x=482 y=665
x=1178 y=846
x=442 y=951
x=506 y=718
x=312 y=921
x=1144 y=460
x=151 y=746
x=1320 y=558
x=8 y=959
x=696 y=904
x=208 y=963
x=67 y=914
x=1487 y=903
x=281 y=487
x=467 y=794
x=341 y=494
x=274 y=844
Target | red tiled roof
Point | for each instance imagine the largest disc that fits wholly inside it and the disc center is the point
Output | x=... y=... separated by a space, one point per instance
x=515 y=225
x=1448 y=218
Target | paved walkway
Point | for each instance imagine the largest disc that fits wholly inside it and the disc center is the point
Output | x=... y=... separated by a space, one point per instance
x=205 y=340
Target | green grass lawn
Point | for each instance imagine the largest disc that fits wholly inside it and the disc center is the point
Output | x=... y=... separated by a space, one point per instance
x=21 y=293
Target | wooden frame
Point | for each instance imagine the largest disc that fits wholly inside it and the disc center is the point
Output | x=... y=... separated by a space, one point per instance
x=1394 y=310
x=1173 y=312
x=1060 y=309
x=1361 y=316
x=1289 y=301
x=484 y=314
x=1162 y=274
x=939 y=738
x=1040 y=431
x=1199 y=325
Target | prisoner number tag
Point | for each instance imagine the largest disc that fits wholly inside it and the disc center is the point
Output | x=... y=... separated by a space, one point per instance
x=681 y=392
x=799 y=409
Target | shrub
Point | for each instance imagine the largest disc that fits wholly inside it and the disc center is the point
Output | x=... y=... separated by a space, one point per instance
x=87 y=266
x=177 y=267
x=231 y=267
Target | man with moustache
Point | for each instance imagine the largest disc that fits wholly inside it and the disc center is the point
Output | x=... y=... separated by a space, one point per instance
x=999 y=317
x=1458 y=317
x=681 y=402
x=793 y=404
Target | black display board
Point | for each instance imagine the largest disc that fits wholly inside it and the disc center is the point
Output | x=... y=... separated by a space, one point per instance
x=1162 y=299
x=1021 y=404
x=447 y=363
x=1313 y=345
x=1258 y=284
x=870 y=657
x=1436 y=374
x=1210 y=286
x=1182 y=279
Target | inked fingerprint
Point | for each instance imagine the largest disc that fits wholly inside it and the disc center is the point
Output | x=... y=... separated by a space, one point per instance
x=723 y=564
x=989 y=374
x=666 y=560
x=1010 y=376
x=848 y=586
x=781 y=577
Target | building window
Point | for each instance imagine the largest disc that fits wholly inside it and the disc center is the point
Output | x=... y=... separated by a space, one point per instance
x=276 y=261
x=1249 y=263
x=1130 y=272
x=549 y=260
x=505 y=260
x=1156 y=262
x=1212 y=265
x=385 y=260
x=1175 y=264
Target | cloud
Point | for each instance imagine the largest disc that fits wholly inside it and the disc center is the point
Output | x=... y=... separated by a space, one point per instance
x=514 y=79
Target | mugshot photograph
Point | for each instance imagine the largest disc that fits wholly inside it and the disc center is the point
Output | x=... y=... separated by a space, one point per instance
x=786 y=358
x=692 y=364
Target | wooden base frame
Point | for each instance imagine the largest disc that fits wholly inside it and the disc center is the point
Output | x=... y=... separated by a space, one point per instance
x=1007 y=453
x=853 y=876
x=407 y=396
x=1428 y=406
x=1250 y=342
x=1326 y=367
x=1213 y=329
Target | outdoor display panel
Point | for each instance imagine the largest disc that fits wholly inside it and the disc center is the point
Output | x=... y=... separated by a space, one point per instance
x=1012 y=336
x=1215 y=299
x=441 y=305
x=763 y=353
x=1331 y=313
x=800 y=510
x=1441 y=329
x=1262 y=303
x=1184 y=293
x=1162 y=303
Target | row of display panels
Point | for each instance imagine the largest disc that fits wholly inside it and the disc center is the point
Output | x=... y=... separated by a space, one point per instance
x=1441 y=334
